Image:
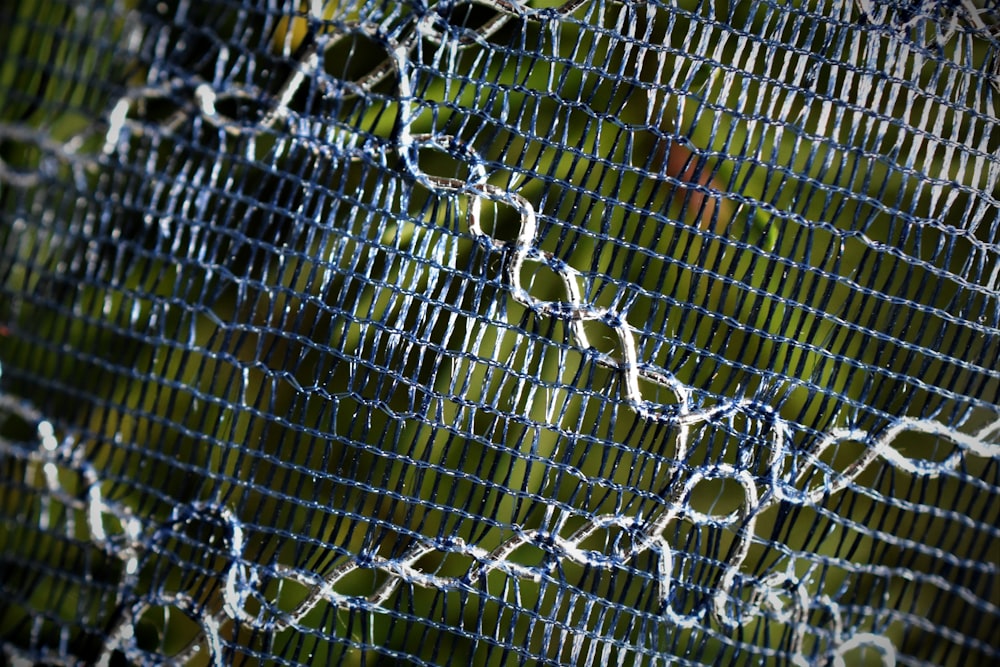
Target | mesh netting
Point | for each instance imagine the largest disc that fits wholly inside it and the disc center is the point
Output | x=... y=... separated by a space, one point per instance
x=494 y=332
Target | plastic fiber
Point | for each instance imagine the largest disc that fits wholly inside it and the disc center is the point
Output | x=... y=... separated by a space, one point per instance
x=489 y=332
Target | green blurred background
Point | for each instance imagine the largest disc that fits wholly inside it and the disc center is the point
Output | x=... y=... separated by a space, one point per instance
x=318 y=344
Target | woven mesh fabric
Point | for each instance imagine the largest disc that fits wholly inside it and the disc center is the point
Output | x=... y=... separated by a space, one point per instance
x=496 y=332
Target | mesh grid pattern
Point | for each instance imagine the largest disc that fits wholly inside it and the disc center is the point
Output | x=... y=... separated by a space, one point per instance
x=489 y=332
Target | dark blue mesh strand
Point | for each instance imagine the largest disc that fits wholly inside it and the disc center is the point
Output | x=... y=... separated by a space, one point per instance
x=488 y=332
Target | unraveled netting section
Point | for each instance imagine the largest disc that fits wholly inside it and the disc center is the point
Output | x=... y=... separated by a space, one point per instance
x=496 y=332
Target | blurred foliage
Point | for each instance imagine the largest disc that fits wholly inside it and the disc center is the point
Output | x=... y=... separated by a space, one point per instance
x=342 y=386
